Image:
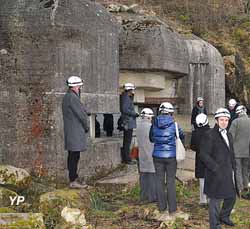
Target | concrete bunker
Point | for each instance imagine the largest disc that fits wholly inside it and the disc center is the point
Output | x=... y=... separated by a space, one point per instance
x=166 y=66
x=44 y=45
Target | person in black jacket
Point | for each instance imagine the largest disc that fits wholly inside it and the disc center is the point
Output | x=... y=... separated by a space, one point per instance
x=129 y=116
x=198 y=109
x=197 y=134
x=217 y=153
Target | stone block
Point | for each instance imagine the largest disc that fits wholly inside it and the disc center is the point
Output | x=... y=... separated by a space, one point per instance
x=21 y=220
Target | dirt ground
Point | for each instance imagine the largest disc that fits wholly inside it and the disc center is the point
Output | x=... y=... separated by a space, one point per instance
x=120 y=208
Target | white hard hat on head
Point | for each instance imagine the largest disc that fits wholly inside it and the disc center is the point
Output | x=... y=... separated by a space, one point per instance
x=222 y=112
x=74 y=81
x=241 y=109
x=129 y=86
x=199 y=99
x=166 y=108
x=201 y=120
x=147 y=112
x=232 y=102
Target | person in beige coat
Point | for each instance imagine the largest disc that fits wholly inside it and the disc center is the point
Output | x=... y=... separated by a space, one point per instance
x=146 y=164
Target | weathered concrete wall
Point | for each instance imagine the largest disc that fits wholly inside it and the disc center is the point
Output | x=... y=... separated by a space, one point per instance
x=41 y=47
x=148 y=44
x=101 y=156
x=206 y=76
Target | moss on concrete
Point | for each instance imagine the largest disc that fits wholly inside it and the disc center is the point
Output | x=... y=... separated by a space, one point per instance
x=6 y=210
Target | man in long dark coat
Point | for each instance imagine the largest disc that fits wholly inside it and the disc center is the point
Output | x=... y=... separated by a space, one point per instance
x=76 y=126
x=218 y=156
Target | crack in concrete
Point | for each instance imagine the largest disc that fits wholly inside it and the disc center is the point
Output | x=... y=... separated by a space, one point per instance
x=53 y=12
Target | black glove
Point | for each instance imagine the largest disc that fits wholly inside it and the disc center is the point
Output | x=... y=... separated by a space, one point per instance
x=137 y=114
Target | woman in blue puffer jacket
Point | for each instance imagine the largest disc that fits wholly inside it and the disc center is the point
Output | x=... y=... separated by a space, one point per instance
x=163 y=135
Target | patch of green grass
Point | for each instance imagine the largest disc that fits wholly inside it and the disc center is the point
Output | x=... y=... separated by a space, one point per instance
x=184 y=17
x=183 y=191
x=177 y=224
x=100 y=209
x=134 y=193
x=96 y=201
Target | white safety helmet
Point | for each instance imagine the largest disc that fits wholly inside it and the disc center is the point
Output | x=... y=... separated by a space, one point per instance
x=232 y=102
x=147 y=112
x=201 y=120
x=74 y=81
x=166 y=108
x=129 y=86
x=222 y=112
x=199 y=99
x=241 y=109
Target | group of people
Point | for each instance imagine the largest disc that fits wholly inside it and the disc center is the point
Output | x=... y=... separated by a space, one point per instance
x=222 y=152
x=157 y=150
x=222 y=158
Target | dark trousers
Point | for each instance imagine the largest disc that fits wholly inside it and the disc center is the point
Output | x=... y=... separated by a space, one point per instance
x=127 y=139
x=216 y=212
x=242 y=178
x=109 y=133
x=165 y=169
x=73 y=159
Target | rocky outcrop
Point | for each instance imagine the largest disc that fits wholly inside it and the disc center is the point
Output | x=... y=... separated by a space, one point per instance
x=16 y=177
x=237 y=80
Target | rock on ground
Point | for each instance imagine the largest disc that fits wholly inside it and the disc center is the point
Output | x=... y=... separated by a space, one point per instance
x=5 y=195
x=10 y=175
x=73 y=218
x=52 y=203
